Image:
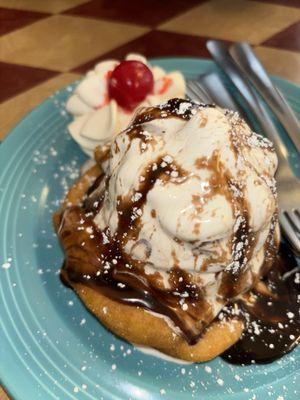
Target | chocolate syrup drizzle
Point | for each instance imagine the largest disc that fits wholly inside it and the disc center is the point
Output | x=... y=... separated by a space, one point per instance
x=271 y=317
x=96 y=258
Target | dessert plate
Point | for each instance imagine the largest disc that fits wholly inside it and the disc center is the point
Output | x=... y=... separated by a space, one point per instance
x=50 y=346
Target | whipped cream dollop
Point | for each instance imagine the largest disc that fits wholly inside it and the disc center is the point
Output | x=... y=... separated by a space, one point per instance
x=98 y=118
x=193 y=189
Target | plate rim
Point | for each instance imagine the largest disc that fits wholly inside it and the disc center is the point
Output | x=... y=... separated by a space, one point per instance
x=13 y=134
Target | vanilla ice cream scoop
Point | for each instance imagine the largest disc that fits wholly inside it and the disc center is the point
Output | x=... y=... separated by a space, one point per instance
x=98 y=117
x=182 y=218
x=191 y=188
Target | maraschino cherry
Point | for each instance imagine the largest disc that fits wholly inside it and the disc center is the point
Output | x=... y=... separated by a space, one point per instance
x=130 y=83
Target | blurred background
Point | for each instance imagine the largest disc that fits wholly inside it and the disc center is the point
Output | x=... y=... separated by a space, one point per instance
x=46 y=44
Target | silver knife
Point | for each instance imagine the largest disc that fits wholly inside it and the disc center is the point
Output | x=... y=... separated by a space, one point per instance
x=255 y=72
x=222 y=57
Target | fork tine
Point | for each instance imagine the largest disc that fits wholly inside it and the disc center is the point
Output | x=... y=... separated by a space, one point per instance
x=196 y=93
x=202 y=92
x=291 y=218
x=190 y=93
x=289 y=231
x=296 y=220
x=297 y=212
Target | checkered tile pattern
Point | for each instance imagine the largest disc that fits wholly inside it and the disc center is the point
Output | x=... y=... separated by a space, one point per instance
x=45 y=45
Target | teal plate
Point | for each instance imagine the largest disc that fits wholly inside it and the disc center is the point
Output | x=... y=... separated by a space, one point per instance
x=50 y=346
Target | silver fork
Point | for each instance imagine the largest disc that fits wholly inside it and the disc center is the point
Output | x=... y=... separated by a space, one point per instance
x=287 y=183
x=211 y=89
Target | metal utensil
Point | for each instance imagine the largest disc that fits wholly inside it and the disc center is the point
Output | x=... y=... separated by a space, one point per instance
x=243 y=54
x=288 y=185
x=222 y=57
x=210 y=88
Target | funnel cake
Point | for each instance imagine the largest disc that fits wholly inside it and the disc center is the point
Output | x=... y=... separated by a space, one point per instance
x=175 y=222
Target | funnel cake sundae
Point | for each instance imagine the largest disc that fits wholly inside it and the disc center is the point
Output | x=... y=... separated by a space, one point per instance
x=168 y=237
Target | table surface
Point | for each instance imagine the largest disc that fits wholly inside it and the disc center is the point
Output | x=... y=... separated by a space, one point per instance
x=45 y=45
